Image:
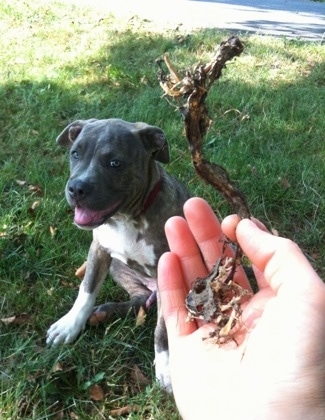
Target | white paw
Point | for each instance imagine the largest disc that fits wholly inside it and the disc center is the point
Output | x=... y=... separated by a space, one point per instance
x=66 y=329
x=162 y=370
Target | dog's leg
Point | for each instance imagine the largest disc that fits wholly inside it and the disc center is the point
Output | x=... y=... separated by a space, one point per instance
x=135 y=285
x=142 y=291
x=66 y=329
x=161 y=352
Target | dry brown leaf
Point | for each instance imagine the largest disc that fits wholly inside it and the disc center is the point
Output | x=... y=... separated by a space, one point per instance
x=141 y=317
x=26 y=275
x=274 y=232
x=35 y=204
x=96 y=392
x=36 y=189
x=125 y=410
x=138 y=377
x=33 y=207
x=57 y=368
x=80 y=272
x=73 y=415
x=68 y=284
x=20 y=319
x=315 y=255
x=284 y=183
x=52 y=231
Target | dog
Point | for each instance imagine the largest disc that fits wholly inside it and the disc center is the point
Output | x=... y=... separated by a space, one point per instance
x=119 y=191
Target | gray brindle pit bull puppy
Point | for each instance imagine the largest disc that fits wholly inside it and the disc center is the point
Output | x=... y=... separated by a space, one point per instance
x=118 y=190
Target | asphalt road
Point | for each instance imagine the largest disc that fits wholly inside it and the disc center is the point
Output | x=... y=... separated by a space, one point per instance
x=303 y=19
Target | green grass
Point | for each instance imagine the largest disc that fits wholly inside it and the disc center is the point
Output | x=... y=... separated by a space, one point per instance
x=60 y=63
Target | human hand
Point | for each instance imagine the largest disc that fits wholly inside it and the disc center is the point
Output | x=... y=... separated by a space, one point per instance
x=277 y=370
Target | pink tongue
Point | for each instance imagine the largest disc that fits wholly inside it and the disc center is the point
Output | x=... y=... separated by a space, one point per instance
x=83 y=216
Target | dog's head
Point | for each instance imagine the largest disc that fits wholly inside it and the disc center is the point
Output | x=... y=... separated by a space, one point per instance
x=112 y=165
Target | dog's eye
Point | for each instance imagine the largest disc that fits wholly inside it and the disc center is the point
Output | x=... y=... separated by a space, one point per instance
x=75 y=154
x=115 y=163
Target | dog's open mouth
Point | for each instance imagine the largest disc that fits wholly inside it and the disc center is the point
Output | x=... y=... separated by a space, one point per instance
x=87 y=218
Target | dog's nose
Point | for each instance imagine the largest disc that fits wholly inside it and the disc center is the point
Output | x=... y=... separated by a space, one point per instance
x=78 y=189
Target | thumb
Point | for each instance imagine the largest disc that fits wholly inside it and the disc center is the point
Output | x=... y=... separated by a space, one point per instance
x=281 y=260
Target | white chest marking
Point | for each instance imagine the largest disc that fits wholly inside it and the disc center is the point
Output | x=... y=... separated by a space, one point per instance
x=125 y=242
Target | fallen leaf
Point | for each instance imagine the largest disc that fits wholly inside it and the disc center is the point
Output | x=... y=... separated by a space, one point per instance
x=20 y=319
x=141 y=317
x=27 y=275
x=33 y=207
x=96 y=392
x=35 y=204
x=52 y=231
x=274 y=232
x=58 y=367
x=80 y=272
x=284 y=183
x=315 y=255
x=68 y=284
x=36 y=189
x=126 y=410
x=138 y=377
x=20 y=182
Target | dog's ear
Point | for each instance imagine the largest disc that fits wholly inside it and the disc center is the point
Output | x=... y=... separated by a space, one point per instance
x=71 y=132
x=154 y=141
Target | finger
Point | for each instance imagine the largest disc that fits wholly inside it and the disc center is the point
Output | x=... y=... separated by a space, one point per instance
x=172 y=292
x=281 y=260
x=207 y=232
x=182 y=243
x=229 y=226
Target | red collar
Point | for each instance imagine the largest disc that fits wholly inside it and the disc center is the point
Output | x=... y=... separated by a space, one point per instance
x=152 y=195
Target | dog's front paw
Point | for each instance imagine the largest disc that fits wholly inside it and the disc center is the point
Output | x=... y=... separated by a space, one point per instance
x=162 y=370
x=65 y=330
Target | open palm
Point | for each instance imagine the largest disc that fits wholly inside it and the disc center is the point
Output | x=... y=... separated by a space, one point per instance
x=275 y=369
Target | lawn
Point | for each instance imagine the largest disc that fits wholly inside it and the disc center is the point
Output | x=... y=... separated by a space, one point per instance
x=60 y=63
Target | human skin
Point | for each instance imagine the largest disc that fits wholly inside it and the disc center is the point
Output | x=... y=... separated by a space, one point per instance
x=276 y=367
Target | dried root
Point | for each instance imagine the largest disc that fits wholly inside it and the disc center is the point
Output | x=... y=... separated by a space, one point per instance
x=217 y=297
